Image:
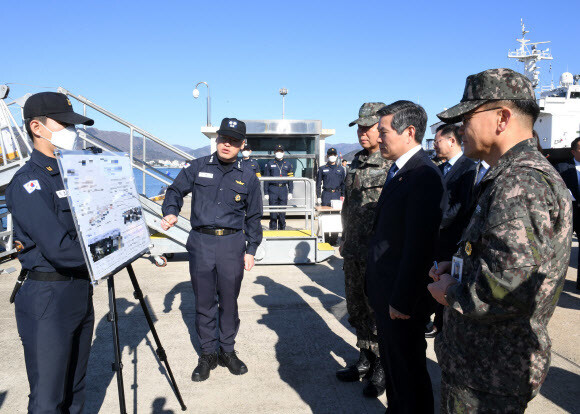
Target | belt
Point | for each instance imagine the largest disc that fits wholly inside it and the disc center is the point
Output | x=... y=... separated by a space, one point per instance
x=56 y=277
x=216 y=232
x=332 y=191
x=280 y=185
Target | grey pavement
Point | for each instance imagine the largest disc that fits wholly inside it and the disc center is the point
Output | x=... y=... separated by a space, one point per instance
x=294 y=334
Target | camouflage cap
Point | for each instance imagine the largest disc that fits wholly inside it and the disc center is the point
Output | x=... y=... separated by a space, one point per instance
x=489 y=85
x=367 y=114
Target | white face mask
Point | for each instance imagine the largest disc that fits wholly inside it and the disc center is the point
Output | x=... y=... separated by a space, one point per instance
x=279 y=155
x=332 y=158
x=64 y=139
x=245 y=154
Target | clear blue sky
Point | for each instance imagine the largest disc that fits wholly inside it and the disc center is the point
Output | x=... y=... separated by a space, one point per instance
x=141 y=59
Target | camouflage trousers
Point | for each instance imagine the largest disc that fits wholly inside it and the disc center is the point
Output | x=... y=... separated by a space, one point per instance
x=459 y=399
x=361 y=316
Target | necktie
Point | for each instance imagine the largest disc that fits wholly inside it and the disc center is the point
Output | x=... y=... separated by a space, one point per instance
x=392 y=171
x=445 y=167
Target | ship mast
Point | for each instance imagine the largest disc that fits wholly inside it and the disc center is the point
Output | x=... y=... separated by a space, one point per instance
x=529 y=54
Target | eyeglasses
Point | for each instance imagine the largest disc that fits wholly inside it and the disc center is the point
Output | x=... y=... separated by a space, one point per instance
x=467 y=117
x=437 y=141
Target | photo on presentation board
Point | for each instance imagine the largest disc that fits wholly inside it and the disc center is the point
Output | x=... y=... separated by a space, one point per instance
x=106 y=209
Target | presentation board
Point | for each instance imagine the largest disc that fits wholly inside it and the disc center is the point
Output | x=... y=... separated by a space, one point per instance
x=106 y=209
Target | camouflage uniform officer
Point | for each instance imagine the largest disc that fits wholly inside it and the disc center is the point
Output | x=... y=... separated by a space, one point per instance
x=494 y=351
x=364 y=182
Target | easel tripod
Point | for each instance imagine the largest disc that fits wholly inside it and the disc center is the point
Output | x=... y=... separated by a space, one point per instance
x=113 y=318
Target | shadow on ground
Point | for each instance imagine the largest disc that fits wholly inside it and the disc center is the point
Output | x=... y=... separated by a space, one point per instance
x=133 y=330
x=567 y=299
x=186 y=307
x=306 y=351
x=157 y=406
x=561 y=387
x=331 y=279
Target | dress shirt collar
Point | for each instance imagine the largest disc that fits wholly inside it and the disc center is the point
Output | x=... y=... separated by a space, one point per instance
x=402 y=160
x=453 y=160
x=577 y=163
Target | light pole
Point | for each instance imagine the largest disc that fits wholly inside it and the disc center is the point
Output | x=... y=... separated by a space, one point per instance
x=283 y=92
x=196 y=95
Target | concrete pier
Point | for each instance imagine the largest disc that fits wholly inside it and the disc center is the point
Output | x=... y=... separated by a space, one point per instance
x=294 y=335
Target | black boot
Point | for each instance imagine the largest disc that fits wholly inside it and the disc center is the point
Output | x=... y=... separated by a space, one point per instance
x=206 y=363
x=358 y=370
x=232 y=362
x=376 y=385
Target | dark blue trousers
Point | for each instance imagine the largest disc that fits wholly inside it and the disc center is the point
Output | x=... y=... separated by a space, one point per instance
x=278 y=197
x=55 y=321
x=216 y=266
x=328 y=196
x=402 y=347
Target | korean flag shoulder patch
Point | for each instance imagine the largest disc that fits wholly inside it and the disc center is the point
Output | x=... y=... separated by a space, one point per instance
x=31 y=186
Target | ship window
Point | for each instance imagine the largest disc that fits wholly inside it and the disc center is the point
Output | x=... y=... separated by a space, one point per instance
x=574 y=95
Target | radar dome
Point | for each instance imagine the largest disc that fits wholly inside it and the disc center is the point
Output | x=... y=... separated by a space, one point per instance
x=566 y=79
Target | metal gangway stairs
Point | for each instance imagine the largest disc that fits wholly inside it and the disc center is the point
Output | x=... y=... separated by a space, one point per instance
x=175 y=238
x=15 y=150
x=276 y=248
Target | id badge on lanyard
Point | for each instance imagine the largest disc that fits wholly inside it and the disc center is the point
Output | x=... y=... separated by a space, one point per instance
x=457 y=268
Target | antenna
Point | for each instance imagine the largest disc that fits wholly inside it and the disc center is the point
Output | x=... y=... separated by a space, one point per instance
x=529 y=54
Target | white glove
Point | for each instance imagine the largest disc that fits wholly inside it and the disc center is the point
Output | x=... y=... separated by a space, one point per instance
x=289 y=196
x=319 y=200
x=267 y=197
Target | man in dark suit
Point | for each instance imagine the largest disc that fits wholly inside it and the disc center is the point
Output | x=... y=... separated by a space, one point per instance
x=570 y=172
x=459 y=178
x=401 y=251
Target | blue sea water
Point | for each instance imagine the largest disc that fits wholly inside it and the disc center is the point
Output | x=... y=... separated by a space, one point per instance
x=152 y=186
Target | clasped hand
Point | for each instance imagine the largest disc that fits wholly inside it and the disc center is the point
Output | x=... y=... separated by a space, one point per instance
x=442 y=280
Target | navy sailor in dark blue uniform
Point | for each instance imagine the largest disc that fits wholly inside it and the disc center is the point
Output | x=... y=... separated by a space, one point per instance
x=247 y=159
x=278 y=192
x=331 y=179
x=226 y=211
x=54 y=306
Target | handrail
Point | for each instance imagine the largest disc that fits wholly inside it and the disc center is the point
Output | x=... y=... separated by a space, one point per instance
x=102 y=144
x=11 y=124
x=136 y=163
x=309 y=197
x=132 y=127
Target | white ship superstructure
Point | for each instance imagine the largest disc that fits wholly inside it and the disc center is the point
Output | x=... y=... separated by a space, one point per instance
x=559 y=121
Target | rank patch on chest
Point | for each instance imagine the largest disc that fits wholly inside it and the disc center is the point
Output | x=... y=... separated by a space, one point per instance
x=31 y=186
x=237 y=197
x=240 y=182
